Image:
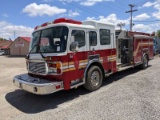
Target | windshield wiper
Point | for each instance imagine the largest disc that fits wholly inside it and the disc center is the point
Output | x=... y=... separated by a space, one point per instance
x=27 y=57
x=41 y=53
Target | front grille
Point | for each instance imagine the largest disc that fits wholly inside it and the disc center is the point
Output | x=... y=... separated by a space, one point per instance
x=37 y=67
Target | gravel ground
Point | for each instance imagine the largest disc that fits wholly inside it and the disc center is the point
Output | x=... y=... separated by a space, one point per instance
x=129 y=95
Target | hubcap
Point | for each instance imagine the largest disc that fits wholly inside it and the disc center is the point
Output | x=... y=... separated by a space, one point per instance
x=95 y=78
x=145 y=62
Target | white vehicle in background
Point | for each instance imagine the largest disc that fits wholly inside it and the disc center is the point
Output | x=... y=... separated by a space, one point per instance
x=1 y=52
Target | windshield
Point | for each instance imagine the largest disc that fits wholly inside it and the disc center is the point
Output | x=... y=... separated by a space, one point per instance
x=50 y=40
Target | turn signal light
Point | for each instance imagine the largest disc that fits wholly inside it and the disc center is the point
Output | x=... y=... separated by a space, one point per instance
x=58 y=65
x=58 y=70
x=51 y=65
x=55 y=65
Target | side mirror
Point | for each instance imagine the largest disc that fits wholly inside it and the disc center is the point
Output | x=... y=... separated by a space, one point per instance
x=57 y=43
x=56 y=40
x=74 y=46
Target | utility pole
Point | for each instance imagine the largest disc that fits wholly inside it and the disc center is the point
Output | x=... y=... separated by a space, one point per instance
x=120 y=25
x=131 y=6
x=14 y=34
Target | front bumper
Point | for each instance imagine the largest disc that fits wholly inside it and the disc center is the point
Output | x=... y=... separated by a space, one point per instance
x=37 y=85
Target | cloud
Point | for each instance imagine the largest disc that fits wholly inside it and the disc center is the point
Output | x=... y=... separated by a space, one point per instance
x=141 y=17
x=149 y=28
x=157 y=13
x=142 y=27
x=7 y=30
x=155 y=5
x=112 y=18
x=73 y=13
x=90 y=18
x=92 y=2
x=43 y=9
x=149 y=4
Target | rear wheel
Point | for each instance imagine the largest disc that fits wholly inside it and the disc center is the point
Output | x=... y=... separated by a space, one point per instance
x=145 y=62
x=94 y=78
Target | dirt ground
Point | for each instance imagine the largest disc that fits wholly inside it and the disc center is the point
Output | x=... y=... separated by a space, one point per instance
x=9 y=67
x=129 y=95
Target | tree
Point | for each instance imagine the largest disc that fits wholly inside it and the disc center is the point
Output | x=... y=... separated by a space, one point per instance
x=153 y=34
x=158 y=33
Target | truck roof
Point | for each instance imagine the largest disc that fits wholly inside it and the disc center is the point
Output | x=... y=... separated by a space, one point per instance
x=89 y=24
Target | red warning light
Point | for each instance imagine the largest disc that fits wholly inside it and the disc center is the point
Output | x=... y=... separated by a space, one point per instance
x=66 y=20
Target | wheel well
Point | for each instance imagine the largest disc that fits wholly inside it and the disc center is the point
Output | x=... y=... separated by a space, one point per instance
x=99 y=65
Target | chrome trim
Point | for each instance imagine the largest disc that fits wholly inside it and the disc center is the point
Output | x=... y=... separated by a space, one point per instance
x=79 y=84
x=37 y=61
x=36 y=85
x=137 y=63
x=48 y=68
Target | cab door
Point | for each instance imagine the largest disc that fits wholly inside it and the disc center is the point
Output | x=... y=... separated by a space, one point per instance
x=78 y=59
x=92 y=44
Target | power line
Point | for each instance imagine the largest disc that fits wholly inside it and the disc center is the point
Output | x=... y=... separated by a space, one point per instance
x=86 y=10
x=149 y=21
x=112 y=7
x=131 y=11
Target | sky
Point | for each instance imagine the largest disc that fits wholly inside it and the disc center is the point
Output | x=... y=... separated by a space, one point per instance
x=19 y=17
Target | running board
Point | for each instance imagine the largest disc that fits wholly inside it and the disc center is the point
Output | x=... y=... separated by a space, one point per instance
x=108 y=74
x=124 y=68
x=76 y=83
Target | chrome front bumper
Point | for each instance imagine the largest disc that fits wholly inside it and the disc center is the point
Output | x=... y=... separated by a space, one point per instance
x=37 y=85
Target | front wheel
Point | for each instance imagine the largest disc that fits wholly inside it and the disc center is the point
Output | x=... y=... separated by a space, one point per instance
x=94 y=78
x=145 y=62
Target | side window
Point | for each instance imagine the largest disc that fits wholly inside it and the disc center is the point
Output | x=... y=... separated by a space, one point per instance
x=79 y=36
x=92 y=38
x=105 y=37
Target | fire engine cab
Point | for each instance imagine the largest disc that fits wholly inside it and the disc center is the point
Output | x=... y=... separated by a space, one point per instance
x=66 y=53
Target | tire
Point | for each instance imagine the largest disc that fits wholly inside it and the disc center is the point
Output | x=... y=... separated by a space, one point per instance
x=145 y=62
x=94 y=78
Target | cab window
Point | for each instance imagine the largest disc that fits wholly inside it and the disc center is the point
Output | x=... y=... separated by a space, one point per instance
x=92 y=38
x=79 y=36
x=105 y=37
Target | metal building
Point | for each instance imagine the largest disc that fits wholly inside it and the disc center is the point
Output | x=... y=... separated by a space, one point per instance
x=20 y=46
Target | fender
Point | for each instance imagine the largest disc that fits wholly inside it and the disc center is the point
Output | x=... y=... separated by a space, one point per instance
x=93 y=62
x=144 y=55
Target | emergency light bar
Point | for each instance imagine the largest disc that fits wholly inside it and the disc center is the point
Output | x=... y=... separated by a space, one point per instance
x=60 y=20
x=66 y=20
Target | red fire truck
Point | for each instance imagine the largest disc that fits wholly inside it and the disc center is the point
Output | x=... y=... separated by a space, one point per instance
x=66 y=53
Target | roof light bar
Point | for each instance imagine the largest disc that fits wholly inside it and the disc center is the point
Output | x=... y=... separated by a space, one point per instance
x=66 y=20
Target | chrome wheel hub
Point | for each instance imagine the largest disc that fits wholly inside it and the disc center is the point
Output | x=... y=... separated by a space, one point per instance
x=145 y=62
x=95 y=77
